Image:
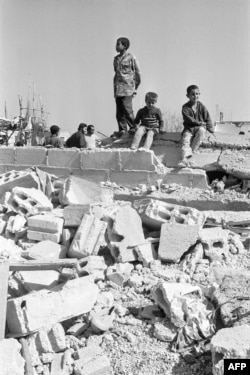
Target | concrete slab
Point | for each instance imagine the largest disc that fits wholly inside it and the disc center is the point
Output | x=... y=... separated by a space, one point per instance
x=11 y=361
x=65 y=301
x=175 y=240
x=89 y=237
x=236 y=162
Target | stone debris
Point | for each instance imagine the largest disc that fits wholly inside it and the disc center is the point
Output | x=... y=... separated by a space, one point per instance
x=135 y=285
x=229 y=343
x=154 y=213
x=172 y=244
x=45 y=227
x=76 y=297
x=29 y=201
x=11 y=360
x=89 y=237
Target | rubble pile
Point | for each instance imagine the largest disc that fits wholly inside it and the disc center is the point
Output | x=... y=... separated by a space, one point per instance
x=99 y=285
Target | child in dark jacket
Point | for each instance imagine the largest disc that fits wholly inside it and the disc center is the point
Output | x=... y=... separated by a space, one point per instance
x=196 y=121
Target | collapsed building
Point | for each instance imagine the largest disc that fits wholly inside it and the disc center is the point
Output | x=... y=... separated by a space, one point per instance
x=117 y=262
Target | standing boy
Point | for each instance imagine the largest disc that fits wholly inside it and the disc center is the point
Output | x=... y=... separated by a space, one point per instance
x=196 y=120
x=150 y=120
x=126 y=81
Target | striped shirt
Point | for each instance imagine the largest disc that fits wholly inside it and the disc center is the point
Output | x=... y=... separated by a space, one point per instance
x=150 y=118
x=127 y=74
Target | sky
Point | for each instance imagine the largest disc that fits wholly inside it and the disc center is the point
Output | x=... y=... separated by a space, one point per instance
x=64 y=49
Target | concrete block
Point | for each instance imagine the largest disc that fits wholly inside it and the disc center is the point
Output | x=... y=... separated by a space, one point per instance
x=91 y=360
x=137 y=160
x=132 y=178
x=232 y=308
x=100 y=159
x=70 y=159
x=37 y=280
x=48 y=340
x=154 y=213
x=77 y=190
x=146 y=253
x=7 y=155
x=16 y=223
x=169 y=154
x=89 y=237
x=29 y=156
x=193 y=178
x=218 y=243
x=206 y=159
x=95 y=266
x=119 y=273
x=67 y=237
x=236 y=162
x=11 y=361
x=175 y=240
x=62 y=363
x=45 y=227
x=14 y=178
x=65 y=301
x=47 y=250
x=29 y=201
x=229 y=343
x=73 y=214
x=124 y=232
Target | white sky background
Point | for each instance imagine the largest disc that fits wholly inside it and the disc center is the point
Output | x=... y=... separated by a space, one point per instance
x=66 y=47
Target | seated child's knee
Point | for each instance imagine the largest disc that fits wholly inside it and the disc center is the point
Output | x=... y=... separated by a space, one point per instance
x=202 y=130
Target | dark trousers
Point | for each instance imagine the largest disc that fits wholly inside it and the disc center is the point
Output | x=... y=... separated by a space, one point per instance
x=124 y=112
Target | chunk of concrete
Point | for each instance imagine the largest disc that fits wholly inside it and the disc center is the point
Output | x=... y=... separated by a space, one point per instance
x=233 y=297
x=91 y=360
x=47 y=250
x=78 y=190
x=229 y=343
x=218 y=243
x=74 y=298
x=11 y=361
x=37 y=280
x=73 y=214
x=175 y=240
x=146 y=253
x=45 y=227
x=124 y=232
x=62 y=363
x=29 y=201
x=119 y=273
x=95 y=266
x=11 y=179
x=154 y=213
x=89 y=237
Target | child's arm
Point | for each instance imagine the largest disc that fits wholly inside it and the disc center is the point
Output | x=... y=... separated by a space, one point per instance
x=137 y=74
x=208 y=121
x=161 y=122
x=138 y=118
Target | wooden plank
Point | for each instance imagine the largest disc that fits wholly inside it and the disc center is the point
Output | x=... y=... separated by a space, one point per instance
x=35 y=265
x=4 y=275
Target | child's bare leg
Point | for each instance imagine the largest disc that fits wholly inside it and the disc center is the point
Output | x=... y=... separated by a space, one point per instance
x=149 y=139
x=186 y=148
x=198 y=138
x=137 y=137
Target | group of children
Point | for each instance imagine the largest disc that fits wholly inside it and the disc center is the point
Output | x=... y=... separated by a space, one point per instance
x=149 y=121
x=85 y=137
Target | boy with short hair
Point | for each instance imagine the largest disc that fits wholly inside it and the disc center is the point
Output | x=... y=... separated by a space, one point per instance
x=126 y=81
x=91 y=138
x=150 y=122
x=196 y=120
x=54 y=140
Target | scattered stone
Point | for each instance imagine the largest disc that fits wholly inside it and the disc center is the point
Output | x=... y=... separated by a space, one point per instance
x=45 y=227
x=172 y=244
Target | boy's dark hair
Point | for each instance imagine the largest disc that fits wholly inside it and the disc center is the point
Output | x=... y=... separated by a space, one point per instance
x=82 y=125
x=54 y=129
x=90 y=127
x=191 y=87
x=124 y=41
x=151 y=95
